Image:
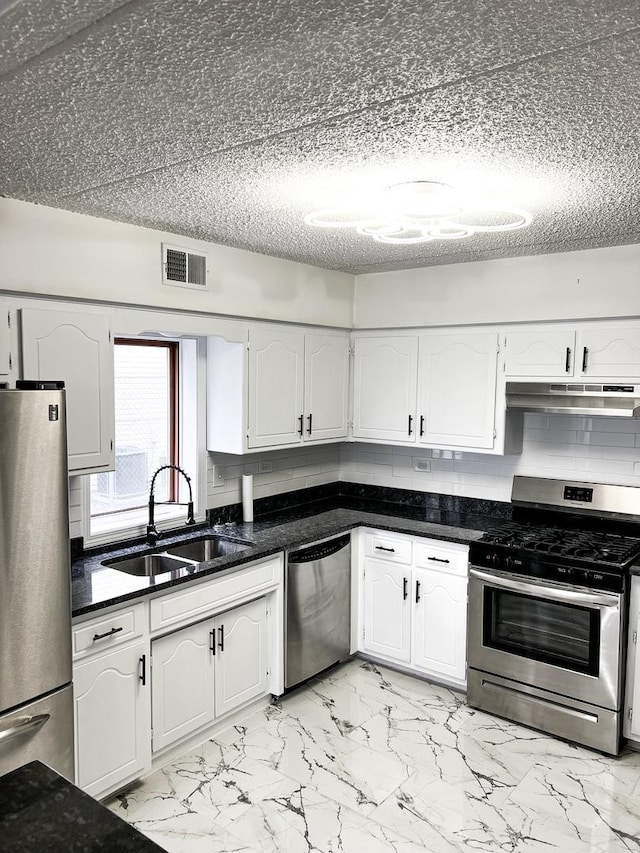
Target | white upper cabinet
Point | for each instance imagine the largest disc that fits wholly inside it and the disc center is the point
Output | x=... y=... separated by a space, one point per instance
x=457 y=390
x=77 y=348
x=385 y=381
x=4 y=341
x=276 y=387
x=326 y=389
x=541 y=353
x=598 y=351
x=609 y=352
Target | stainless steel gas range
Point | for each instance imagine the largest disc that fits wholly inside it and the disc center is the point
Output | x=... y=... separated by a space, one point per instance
x=548 y=601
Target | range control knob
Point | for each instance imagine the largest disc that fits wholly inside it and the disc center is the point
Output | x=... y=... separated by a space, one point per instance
x=508 y=562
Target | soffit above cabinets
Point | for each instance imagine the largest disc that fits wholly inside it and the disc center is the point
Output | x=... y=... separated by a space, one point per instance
x=230 y=120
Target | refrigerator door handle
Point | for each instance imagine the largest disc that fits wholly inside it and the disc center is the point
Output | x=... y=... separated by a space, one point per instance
x=25 y=725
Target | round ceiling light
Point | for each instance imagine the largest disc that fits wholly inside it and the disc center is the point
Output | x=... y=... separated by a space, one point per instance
x=414 y=212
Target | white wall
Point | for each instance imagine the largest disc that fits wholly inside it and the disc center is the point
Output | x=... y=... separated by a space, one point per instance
x=57 y=253
x=594 y=283
x=570 y=447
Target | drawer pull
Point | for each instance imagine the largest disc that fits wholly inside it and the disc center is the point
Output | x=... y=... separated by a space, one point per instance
x=437 y=560
x=107 y=634
x=382 y=548
x=24 y=726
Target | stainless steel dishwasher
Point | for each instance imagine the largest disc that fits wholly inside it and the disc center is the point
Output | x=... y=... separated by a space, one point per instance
x=318 y=608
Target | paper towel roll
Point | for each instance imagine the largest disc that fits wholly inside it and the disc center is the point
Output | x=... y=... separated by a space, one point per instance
x=247 y=497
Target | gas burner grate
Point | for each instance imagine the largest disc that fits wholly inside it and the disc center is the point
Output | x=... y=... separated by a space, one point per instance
x=560 y=542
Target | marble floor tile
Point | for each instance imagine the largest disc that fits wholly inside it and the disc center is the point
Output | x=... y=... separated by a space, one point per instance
x=369 y=760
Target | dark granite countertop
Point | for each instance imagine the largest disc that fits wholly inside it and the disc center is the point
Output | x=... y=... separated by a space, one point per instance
x=95 y=586
x=40 y=812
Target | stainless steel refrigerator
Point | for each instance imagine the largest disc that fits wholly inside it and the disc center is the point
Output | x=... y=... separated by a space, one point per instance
x=36 y=699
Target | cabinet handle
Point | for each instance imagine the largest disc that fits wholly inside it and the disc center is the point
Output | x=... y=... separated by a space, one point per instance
x=310 y=421
x=300 y=424
x=382 y=548
x=404 y=589
x=567 y=363
x=421 y=424
x=212 y=647
x=437 y=560
x=107 y=634
x=221 y=641
x=417 y=591
x=410 y=429
x=143 y=674
x=585 y=353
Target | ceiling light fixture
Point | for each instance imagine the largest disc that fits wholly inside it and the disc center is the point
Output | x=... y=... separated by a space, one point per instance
x=419 y=212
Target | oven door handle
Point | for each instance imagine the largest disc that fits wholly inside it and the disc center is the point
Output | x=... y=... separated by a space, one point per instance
x=570 y=596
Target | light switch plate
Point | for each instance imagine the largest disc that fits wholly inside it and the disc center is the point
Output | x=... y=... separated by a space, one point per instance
x=218 y=476
x=265 y=467
x=422 y=465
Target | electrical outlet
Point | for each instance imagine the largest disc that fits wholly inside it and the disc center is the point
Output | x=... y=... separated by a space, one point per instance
x=422 y=465
x=218 y=476
x=265 y=467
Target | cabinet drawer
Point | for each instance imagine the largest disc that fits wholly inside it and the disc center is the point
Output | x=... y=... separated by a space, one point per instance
x=393 y=549
x=447 y=556
x=104 y=632
x=212 y=596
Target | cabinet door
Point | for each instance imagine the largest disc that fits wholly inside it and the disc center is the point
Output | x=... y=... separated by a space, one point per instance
x=182 y=687
x=241 y=657
x=4 y=340
x=541 y=353
x=632 y=725
x=458 y=390
x=77 y=348
x=326 y=390
x=387 y=610
x=613 y=353
x=440 y=623
x=112 y=719
x=385 y=376
x=276 y=379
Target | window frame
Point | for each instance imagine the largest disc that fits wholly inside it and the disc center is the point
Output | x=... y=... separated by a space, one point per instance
x=189 y=435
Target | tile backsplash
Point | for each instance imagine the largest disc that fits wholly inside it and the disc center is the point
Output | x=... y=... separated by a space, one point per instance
x=562 y=446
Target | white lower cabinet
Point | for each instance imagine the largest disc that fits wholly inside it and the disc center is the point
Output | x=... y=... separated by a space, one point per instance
x=414 y=604
x=207 y=670
x=631 y=722
x=111 y=702
x=440 y=623
x=139 y=690
x=387 y=610
x=182 y=692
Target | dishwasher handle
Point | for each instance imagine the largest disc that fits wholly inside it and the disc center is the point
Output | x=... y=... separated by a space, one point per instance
x=320 y=551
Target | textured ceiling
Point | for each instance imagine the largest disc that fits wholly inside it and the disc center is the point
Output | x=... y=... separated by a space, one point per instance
x=229 y=120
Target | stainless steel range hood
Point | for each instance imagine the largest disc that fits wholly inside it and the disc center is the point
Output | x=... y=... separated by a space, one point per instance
x=621 y=401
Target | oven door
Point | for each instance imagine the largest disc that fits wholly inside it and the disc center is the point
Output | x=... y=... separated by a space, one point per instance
x=562 y=639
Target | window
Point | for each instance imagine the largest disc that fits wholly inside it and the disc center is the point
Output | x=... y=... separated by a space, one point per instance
x=147 y=436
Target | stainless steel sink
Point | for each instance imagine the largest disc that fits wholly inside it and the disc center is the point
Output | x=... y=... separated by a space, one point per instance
x=207 y=548
x=150 y=565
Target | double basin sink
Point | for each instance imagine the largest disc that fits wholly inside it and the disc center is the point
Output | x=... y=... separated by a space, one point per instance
x=179 y=559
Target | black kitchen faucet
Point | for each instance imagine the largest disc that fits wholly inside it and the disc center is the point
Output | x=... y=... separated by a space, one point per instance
x=152 y=532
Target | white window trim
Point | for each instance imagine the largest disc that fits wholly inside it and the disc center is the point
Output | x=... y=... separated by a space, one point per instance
x=194 y=459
